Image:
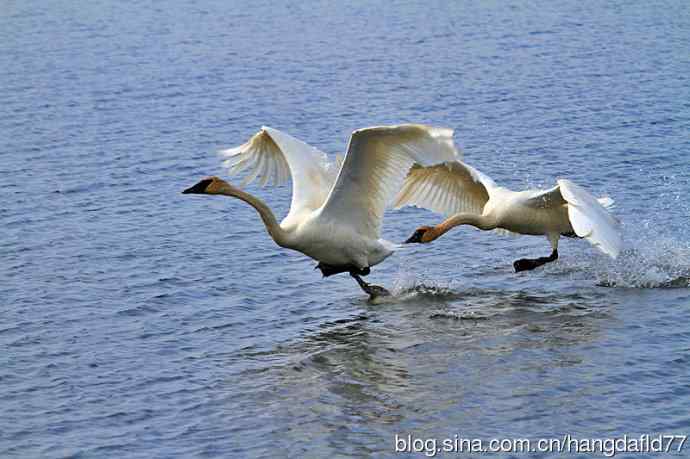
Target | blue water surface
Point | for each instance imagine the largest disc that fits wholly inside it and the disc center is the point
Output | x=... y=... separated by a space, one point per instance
x=141 y=323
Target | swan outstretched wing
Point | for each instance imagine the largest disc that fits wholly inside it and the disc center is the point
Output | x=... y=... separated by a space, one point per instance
x=447 y=189
x=376 y=163
x=274 y=155
x=590 y=219
x=588 y=215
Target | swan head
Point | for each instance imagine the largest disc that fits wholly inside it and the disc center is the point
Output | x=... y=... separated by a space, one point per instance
x=422 y=235
x=209 y=185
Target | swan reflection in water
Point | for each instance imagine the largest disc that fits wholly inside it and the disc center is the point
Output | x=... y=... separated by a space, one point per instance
x=432 y=356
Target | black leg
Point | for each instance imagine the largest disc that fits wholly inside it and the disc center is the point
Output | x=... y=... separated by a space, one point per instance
x=528 y=264
x=330 y=270
x=373 y=291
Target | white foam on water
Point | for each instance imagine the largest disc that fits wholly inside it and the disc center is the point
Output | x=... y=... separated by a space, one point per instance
x=648 y=262
x=409 y=283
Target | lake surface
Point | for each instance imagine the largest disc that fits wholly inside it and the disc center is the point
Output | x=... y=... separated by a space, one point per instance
x=141 y=323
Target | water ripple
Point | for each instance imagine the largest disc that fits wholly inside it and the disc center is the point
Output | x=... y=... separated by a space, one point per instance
x=140 y=323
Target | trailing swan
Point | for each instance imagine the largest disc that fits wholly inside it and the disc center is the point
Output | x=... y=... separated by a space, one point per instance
x=337 y=209
x=469 y=197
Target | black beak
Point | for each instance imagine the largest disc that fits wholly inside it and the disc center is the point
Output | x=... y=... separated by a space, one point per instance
x=416 y=237
x=199 y=188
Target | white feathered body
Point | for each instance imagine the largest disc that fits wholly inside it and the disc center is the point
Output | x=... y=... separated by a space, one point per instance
x=455 y=189
x=337 y=208
x=333 y=243
x=511 y=211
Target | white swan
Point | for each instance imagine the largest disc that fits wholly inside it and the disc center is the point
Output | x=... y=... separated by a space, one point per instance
x=336 y=210
x=469 y=197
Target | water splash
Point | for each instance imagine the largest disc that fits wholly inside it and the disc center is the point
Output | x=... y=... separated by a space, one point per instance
x=409 y=284
x=657 y=242
x=649 y=263
x=657 y=251
x=405 y=291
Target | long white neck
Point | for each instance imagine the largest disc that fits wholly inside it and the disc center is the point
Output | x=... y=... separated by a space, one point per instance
x=482 y=222
x=278 y=234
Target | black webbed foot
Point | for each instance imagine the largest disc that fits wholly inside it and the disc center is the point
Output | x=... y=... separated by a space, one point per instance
x=524 y=264
x=528 y=264
x=374 y=291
